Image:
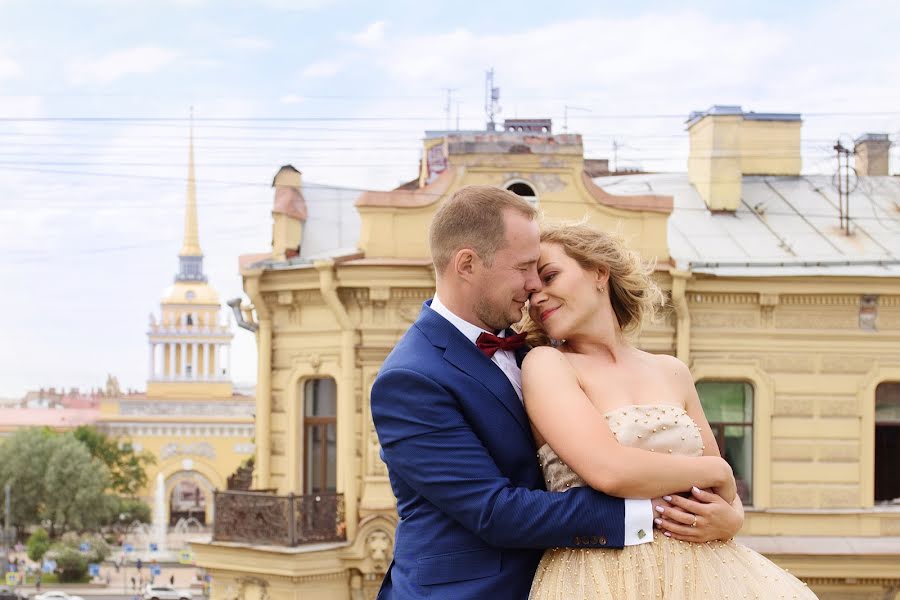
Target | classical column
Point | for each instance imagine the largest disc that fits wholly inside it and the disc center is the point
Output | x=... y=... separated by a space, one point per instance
x=208 y=364
x=195 y=361
x=183 y=359
x=171 y=348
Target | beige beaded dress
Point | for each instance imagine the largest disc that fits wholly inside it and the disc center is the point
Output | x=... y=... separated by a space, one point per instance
x=665 y=568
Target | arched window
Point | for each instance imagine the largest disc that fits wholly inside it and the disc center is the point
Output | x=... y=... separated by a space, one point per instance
x=521 y=188
x=887 y=442
x=728 y=406
x=320 y=436
x=189 y=321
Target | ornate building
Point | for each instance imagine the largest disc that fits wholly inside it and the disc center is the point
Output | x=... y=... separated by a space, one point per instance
x=190 y=419
x=789 y=323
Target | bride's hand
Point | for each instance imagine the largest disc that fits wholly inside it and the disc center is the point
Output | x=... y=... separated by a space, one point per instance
x=704 y=517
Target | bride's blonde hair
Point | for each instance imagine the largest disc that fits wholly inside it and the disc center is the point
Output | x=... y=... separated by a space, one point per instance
x=632 y=292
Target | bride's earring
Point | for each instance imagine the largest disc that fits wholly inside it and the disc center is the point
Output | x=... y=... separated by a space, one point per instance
x=602 y=289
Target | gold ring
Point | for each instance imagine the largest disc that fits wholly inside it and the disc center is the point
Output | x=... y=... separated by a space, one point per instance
x=694 y=524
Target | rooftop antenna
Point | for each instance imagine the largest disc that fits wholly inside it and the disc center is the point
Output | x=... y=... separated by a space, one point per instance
x=491 y=99
x=846 y=181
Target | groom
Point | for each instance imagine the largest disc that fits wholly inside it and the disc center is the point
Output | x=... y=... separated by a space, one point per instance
x=474 y=513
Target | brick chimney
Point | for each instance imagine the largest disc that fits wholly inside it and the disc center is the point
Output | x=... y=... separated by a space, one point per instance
x=288 y=213
x=728 y=143
x=871 y=154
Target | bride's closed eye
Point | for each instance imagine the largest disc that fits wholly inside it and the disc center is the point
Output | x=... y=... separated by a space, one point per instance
x=549 y=277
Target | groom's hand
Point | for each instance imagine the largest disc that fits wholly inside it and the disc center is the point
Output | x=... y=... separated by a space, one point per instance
x=715 y=518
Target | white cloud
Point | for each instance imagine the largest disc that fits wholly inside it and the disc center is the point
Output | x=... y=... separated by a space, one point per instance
x=648 y=52
x=323 y=68
x=250 y=43
x=108 y=68
x=371 y=36
x=9 y=68
x=296 y=5
x=291 y=99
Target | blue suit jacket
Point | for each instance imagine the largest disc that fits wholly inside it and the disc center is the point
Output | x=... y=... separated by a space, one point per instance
x=474 y=512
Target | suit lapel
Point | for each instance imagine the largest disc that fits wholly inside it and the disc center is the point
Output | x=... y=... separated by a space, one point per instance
x=465 y=356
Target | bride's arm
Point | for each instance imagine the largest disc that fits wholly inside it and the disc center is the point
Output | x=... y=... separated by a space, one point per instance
x=564 y=417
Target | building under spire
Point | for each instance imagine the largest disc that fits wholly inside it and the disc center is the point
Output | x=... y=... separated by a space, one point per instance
x=190 y=345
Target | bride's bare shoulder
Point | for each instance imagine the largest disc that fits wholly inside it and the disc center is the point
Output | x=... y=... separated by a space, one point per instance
x=543 y=356
x=548 y=361
x=669 y=363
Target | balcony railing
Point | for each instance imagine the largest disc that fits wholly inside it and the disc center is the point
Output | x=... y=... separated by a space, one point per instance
x=262 y=518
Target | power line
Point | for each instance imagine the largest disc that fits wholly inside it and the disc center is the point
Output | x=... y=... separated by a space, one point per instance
x=590 y=116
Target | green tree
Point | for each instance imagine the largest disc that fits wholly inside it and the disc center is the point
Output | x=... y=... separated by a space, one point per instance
x=75 y=487
x=97 y=548
x=38 y=544
x=127 y=467
x=71 y=564
x=23 y=460
x=130 y=510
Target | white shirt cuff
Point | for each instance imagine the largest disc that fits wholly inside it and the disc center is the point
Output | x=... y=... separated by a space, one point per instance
x=638 y=522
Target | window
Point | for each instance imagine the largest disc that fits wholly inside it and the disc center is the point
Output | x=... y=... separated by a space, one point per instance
x=887 y=443
x=728 y=406
x=521 y=188
x=320 y=432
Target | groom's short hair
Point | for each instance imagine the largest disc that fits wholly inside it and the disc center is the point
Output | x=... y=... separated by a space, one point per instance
x=473 y=218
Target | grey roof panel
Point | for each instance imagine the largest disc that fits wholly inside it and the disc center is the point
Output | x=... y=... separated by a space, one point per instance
x=784 y=226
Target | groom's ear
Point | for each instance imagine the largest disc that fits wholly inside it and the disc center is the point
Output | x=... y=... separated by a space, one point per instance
x=464 y=263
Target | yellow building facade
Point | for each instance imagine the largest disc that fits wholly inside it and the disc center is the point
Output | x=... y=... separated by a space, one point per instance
x=189 y=419
x=794 y=341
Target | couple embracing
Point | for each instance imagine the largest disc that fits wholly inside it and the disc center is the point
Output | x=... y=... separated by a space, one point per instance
x=558 y=462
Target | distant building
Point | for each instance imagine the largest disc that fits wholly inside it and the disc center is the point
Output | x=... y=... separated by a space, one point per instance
x=190 y=419
x=790 y=325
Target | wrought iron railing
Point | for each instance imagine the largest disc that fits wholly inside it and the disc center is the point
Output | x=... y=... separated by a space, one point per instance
x=267 y=519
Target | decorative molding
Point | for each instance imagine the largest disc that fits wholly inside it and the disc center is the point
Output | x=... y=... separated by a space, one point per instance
x=820 y=299
x=285 y=297
x=417 y=294
x=375 y=466
x=380 y=549
x=170 y=408
x=889 y=301
x=203 y=449
x=178 y=430
x=721 y=298
x=307 y=297
x=250 y=583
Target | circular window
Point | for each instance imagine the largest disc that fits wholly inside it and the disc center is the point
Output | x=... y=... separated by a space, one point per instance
x=521 y=188
x=189 y=295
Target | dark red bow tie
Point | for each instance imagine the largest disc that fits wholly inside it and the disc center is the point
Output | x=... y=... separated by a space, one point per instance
x=489 y=343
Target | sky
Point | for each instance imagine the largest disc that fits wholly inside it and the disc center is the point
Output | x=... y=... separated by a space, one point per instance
x=96 y=98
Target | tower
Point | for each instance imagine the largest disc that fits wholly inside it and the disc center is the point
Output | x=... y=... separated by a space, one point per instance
x=189 y=346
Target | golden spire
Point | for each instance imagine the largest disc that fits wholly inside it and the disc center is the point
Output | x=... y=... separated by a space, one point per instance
x=191 y=246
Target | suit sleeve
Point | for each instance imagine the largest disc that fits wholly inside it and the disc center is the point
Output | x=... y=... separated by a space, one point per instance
x=427 y=442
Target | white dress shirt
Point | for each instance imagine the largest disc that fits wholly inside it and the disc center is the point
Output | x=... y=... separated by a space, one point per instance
x=638 y=513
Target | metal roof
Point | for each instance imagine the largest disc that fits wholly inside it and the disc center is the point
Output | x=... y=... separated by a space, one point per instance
x=732 y=110
x=785 y=226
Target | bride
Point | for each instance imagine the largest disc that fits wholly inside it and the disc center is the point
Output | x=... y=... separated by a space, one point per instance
x=594 y=389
